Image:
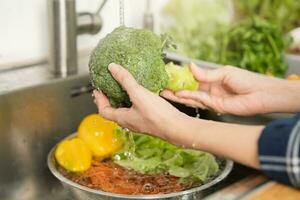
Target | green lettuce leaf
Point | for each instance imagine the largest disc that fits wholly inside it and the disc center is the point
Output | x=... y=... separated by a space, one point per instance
x=151 y=155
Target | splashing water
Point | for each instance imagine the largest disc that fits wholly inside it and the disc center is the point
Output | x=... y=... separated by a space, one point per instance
x=130 y=146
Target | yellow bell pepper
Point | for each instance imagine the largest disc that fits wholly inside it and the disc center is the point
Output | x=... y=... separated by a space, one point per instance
x=73 y=155
x=100 y=136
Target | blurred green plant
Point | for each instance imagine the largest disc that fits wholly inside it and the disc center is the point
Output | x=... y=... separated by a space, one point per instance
x=284 y=13
x=256 y=45
x=196 y=26
x=204 y=29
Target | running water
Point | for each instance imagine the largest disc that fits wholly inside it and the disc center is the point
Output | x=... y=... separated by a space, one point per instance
x=121 y=13
x=197 y=113
x=197 y=110
x=130 y=145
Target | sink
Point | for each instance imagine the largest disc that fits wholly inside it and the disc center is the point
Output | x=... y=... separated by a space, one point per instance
x=36 y=114
x=32 y=120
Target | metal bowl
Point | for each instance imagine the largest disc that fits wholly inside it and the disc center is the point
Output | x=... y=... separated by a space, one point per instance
x=85 y=193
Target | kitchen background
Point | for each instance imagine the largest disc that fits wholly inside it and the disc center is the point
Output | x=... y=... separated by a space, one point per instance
x=38 y=109
x=24 y=26
x=198 y=30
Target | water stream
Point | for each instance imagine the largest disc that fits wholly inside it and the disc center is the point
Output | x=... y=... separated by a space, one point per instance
x=121 y=12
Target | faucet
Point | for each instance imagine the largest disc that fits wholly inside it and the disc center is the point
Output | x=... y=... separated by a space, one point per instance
x=64 y=26
x=148 y=17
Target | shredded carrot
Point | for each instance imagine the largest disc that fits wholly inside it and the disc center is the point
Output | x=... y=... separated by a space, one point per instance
x=110 y=177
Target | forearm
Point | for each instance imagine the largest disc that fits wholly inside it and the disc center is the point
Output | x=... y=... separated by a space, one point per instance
x=293 y=88
x=237 y=142
x=285 y=97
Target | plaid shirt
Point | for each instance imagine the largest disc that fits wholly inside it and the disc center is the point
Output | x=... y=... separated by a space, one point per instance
x=279 y=150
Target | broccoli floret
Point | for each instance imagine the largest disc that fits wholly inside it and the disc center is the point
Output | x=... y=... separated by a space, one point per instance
x=137 y=50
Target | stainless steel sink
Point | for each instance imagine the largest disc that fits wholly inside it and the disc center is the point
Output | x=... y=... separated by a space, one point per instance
x=37 y=110
x=32 y=120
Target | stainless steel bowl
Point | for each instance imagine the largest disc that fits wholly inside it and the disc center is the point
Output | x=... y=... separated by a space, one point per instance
x=85 y=193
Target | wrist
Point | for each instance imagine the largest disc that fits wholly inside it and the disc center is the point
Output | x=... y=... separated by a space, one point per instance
x=179 y=129
x=190 y=132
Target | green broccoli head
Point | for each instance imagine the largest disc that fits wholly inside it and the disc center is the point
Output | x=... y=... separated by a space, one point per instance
x=137 y=50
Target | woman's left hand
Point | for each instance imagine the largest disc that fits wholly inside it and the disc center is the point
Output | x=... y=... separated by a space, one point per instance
x=149 y=112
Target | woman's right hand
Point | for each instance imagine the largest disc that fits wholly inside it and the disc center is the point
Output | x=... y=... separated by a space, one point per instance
x=237 y=91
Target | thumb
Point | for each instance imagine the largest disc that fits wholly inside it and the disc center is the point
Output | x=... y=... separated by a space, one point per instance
x=123 y=77
x=207 y=76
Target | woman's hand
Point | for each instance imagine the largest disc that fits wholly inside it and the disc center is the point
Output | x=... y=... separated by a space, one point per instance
x=237 y=91
x=149 y=112
x=154 y=115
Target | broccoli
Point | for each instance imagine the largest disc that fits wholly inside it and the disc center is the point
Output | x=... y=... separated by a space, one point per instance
x=141 y=53
x=137 y=50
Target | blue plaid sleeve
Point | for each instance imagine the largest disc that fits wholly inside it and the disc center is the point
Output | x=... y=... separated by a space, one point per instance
x=279 y=150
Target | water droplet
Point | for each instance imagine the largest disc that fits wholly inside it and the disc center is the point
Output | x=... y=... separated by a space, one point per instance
x=197 y=113
x=117 y=157
x=115 y=140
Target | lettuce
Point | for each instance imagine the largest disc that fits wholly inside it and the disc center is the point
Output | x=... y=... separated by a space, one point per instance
x=180 y=78
x=151 y=155
x=197 y=26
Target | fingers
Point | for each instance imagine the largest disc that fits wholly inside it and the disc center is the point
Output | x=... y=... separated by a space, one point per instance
x=186 y=101
x=123 y=77
x=104 y=106
x=199 y=96
x=168 y=95
x=106 y=110
x=191 y=103
x=208 y=76
x=206 y=87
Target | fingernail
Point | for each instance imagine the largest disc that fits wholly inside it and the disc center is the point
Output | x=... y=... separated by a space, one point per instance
x=96 y=93
x=111 y=66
